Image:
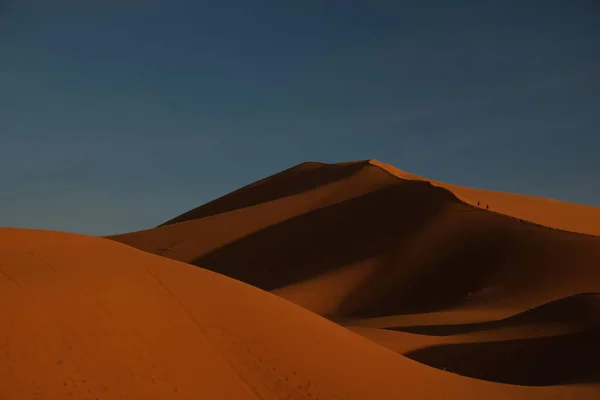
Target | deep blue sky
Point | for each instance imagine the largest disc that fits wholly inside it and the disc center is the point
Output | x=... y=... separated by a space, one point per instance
x=118 y=115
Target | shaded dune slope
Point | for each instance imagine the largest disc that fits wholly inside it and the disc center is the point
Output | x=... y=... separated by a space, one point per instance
x=546 y=357
x=432 y=253
x=553 y=344
x=578 y=312
x=84 y=317
x=534 y=361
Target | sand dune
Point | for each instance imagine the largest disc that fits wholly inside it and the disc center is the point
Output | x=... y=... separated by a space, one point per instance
x=88 y=318
x=425 y=294
x=374 y=245
x=455 y=285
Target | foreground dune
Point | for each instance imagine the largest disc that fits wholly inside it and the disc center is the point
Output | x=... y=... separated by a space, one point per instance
x=88 y=318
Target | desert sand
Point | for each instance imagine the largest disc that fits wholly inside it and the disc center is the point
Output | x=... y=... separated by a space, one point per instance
x=325 y=281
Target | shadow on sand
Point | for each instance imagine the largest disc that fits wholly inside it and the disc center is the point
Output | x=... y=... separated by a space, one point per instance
x=581 y=310
x=543 y=361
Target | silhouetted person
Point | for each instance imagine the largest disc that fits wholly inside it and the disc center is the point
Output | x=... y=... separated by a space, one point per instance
x=478 y=203
x=487 y=206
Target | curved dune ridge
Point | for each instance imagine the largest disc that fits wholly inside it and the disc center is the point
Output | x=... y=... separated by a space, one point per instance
x=503 y=295
x=88 y=318
x=547 y=212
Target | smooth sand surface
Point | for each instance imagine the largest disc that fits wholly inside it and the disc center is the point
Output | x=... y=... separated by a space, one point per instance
x=88 y=318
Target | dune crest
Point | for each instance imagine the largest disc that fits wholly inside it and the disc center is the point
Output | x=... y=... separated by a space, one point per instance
x=544 y=211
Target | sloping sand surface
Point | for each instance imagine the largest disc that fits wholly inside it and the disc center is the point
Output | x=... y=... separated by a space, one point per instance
x=87 y=318
x=305 y=176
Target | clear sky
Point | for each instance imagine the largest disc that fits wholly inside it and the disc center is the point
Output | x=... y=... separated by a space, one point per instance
x=118 y=115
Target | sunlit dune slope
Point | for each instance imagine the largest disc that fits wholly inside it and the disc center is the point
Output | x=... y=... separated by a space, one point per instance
x=367 y=243
x=88 y=318
x=305 y=177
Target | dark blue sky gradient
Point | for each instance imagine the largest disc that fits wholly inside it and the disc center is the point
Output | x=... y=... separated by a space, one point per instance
x=117 y=115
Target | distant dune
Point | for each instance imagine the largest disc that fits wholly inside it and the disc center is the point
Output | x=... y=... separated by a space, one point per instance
x=359 y=242
x=419 y=266
x=87 y=318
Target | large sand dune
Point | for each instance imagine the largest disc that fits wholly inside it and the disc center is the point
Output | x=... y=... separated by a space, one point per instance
x=418 y=266
x=371 y=244
x=87 y=318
